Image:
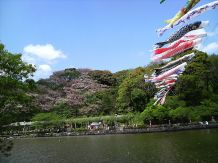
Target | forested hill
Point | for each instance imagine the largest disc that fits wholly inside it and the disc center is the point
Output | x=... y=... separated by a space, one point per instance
x=84 y=92
x=94 y=92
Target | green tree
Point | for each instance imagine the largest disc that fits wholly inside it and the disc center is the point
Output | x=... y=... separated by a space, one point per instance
x=104 y=100
x=204 y=111
x=47 y=120
x=14 y=97
x=133 y=92
x=193 y=86
x=63 y=110
x=181 y=114
x=71 y=73
x=138 y=97
x=15 y=103
x=147 y=114
x=173 y=102
x=46 y=117
x=50 y=84
x=213 y=59
x=107 y=98
x=120 y=76
x=161 y=114
x=103 y=77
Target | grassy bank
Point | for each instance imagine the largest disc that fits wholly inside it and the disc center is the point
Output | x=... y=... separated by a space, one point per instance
x=119 y=129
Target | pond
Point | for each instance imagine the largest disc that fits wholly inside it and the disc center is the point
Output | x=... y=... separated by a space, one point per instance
x=183 y=146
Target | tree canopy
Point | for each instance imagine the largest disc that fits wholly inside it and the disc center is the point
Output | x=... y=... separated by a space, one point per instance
x=194 y=97
x=14 y=84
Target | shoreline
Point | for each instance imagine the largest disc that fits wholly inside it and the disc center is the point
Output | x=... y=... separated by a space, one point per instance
x=117 y=132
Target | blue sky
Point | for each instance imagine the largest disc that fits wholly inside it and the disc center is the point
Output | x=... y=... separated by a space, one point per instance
x=98 y=34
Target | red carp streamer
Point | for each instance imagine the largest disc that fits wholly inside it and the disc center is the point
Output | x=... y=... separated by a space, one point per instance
x=183 y=46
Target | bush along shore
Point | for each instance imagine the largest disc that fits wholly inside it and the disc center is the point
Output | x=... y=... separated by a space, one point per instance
x=99 y=128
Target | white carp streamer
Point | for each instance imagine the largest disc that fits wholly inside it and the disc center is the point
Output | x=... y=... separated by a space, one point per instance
x=188 y=16
x=174 y=71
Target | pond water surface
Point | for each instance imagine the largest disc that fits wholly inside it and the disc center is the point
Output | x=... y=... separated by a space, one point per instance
x=183 y=146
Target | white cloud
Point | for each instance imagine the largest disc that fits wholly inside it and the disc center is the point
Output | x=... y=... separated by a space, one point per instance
x=42 y=56
x=210 y=48
x=43 y=71
x=44 y=52
x=45 y=68
x=29 y=59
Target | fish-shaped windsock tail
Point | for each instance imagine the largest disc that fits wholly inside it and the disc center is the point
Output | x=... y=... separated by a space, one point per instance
x=175 y=18
x=190 y=4
x=162 y=1
x=189 y=15
x=168 y=21
x=160 y=44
